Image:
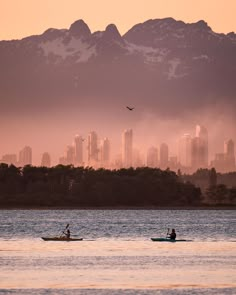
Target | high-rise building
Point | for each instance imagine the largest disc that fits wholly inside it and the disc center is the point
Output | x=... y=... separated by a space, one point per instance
x=10 y=159
x=25 y=156
x=185 y=150
x=195 y=153
x=93 y=150
x=229 y=155
x=152 y=157
x=70 y=155
x=105 y=153
x=225 y=162
x=202 y=135
x=164 y=156
x=200 y=148
x=78 y=150
x=229 y=148
x=46 y=160
x=127 y=148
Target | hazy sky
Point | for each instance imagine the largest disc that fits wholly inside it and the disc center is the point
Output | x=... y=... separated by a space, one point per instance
x=52 y=132
x=20 y=18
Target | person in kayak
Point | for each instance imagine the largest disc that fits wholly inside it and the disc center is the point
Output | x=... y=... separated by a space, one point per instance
x=172 y=235
x=67 y=232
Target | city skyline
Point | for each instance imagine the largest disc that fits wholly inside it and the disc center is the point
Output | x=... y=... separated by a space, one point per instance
x=96 y=152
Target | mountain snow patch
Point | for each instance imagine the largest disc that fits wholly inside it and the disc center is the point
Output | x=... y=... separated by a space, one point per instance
x=203 y=56
x=75 y=47
x=174 y=63
x=150 y=54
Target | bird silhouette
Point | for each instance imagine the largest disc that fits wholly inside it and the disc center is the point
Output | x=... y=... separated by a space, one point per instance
x=129 y=108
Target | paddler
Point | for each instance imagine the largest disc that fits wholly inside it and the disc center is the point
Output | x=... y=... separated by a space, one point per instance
x=172 y=235
x=67 y=232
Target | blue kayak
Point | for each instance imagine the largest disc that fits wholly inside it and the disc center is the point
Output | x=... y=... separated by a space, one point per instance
x=167 y=240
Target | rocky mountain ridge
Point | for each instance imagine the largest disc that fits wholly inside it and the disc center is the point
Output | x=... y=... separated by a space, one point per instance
x=160 y=61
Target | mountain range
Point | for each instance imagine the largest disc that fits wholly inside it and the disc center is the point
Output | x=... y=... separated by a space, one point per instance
x=164 y=65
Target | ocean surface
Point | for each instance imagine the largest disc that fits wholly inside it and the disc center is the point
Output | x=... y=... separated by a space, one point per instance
x=117 y=255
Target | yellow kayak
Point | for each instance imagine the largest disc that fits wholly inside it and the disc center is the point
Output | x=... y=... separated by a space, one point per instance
x=61 y=239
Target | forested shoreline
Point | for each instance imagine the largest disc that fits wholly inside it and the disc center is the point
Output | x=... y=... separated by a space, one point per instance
x=84 y=187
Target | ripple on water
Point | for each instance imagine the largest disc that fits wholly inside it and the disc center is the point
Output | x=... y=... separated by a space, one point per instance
x=187 y=291
x=120 y=258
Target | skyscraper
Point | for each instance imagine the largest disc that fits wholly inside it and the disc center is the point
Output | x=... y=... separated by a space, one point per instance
x=127 y=148
x=164 y=156
x=10 y=159
x=229 y=155
x=229 y=148
x=105 y=153
x=200 y=148
x=152 y=157
x=93 y=149
x=185 y=150
x=46 y=160
x=202 y=134
x=78 y=150
x=70 y=155
x=25 y=156
x=195 y=153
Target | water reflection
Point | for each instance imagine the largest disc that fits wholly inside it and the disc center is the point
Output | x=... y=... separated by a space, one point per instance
x=127 y=259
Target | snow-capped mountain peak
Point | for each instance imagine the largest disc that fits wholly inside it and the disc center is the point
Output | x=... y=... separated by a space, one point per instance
x=161 y=57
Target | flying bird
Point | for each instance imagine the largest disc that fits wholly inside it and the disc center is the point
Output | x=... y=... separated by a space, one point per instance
x=129 y=108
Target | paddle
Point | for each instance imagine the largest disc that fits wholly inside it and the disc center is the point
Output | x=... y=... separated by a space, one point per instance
x=167 y=232
x=63 y=232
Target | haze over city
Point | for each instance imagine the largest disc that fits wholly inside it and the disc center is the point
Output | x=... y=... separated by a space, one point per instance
x=44 y=106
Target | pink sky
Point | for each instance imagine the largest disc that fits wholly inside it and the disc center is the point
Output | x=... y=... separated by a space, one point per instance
x=26 y=17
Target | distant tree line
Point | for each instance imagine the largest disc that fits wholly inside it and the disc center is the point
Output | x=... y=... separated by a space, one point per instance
x=217 y=188
x=68 y=186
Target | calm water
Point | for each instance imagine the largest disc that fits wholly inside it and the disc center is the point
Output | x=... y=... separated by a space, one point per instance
x=117 y=255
